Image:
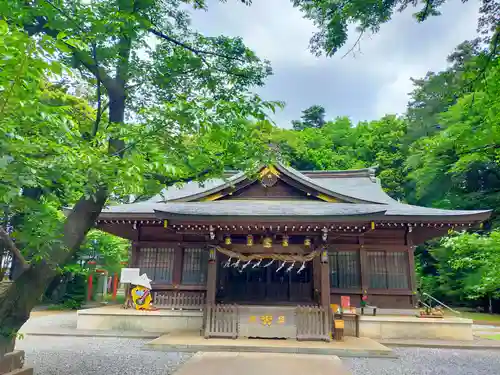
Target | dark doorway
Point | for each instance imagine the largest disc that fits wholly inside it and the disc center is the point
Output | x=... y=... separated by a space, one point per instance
x=264 y=285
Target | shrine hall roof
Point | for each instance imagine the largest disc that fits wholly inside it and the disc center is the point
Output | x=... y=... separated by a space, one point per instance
x=354 y=186
x=279 y=209
x=358 y=194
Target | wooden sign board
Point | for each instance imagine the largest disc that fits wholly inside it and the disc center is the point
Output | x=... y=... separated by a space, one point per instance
x=338 y=324
x=267 y=321
x=345 y=301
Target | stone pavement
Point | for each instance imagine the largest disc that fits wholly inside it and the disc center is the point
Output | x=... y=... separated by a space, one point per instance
x=223 y=363
x=191 y=341
x=477 y=343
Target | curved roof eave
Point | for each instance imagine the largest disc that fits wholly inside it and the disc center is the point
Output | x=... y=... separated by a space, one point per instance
x=309 y=182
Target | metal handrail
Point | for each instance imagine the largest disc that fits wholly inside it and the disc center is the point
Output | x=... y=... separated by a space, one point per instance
x=441 y=303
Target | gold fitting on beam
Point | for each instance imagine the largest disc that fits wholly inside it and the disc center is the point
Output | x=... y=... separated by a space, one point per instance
x=267 y=242
x=284 y=242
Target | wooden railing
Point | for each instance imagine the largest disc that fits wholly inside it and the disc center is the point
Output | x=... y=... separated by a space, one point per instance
x=313 y=323
x=179 y=300
x=221 y=321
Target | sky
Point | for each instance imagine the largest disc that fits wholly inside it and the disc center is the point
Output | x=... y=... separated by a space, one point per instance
x=365 y=85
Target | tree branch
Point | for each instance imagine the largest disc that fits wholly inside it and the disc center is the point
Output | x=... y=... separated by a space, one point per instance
x=95 y=127
x=170 y=182
x=196 y=51
x=84 y=58
x=11 y=246
x=355 y=44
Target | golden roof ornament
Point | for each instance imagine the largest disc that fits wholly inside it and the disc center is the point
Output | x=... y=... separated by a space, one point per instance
x=249 y=240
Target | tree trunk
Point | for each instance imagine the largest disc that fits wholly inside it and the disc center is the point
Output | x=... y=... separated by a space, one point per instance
x=18 y=298
x=490 y=305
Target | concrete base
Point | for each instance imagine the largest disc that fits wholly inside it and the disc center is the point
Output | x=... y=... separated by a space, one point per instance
x=192 y=342
x=407 y=327
x=262 y=364
x=118 y=319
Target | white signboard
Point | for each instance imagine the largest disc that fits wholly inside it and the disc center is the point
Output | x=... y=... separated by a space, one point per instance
x=131 y=276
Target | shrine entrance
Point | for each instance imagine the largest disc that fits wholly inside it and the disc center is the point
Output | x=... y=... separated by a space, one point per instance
x=264 y=285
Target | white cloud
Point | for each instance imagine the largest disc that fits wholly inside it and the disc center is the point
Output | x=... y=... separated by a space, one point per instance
x=365 y=86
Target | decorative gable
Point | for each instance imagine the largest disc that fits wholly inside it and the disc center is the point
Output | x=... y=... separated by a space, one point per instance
x=271 y=184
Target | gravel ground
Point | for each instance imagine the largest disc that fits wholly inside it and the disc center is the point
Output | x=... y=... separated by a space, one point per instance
x=89 y=355
x=421 y=361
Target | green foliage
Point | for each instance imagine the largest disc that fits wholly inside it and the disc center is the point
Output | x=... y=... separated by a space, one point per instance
x=312 y=117
x=475 y=260
x=107 y=250
x=75 y=295
x=188 y=112
x=340 y=145
x=458 y=166
x=333 y=17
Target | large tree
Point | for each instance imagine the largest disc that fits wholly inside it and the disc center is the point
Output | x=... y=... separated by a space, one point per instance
x=164 y=104
x=312 y=117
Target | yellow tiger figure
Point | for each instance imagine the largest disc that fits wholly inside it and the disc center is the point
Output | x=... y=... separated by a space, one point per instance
x=141 y=298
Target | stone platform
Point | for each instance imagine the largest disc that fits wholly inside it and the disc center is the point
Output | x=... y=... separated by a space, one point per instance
x=118 y=319
x=412 y=327
x=380 y=327
x=191 y=341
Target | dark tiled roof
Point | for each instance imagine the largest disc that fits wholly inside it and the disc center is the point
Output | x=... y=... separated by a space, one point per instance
x=356 y=186
x=262 y=208
x=359 y=187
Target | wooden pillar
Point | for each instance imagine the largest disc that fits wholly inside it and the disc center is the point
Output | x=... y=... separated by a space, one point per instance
x=411 y=267
x=177 y=271
x=134 y=255
x=90 y=287
x=212 y=277
x=363 y=266
x=324 y=282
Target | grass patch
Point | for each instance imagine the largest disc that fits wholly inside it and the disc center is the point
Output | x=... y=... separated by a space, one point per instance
x=495 y=337
x=482 y=317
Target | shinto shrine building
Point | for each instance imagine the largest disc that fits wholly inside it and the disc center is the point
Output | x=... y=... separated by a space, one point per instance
x=284 y=238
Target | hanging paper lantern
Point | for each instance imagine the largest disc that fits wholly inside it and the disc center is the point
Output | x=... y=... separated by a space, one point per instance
x=267 y=242
x=284 y=242
x=249 y=240
x=227 y=240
